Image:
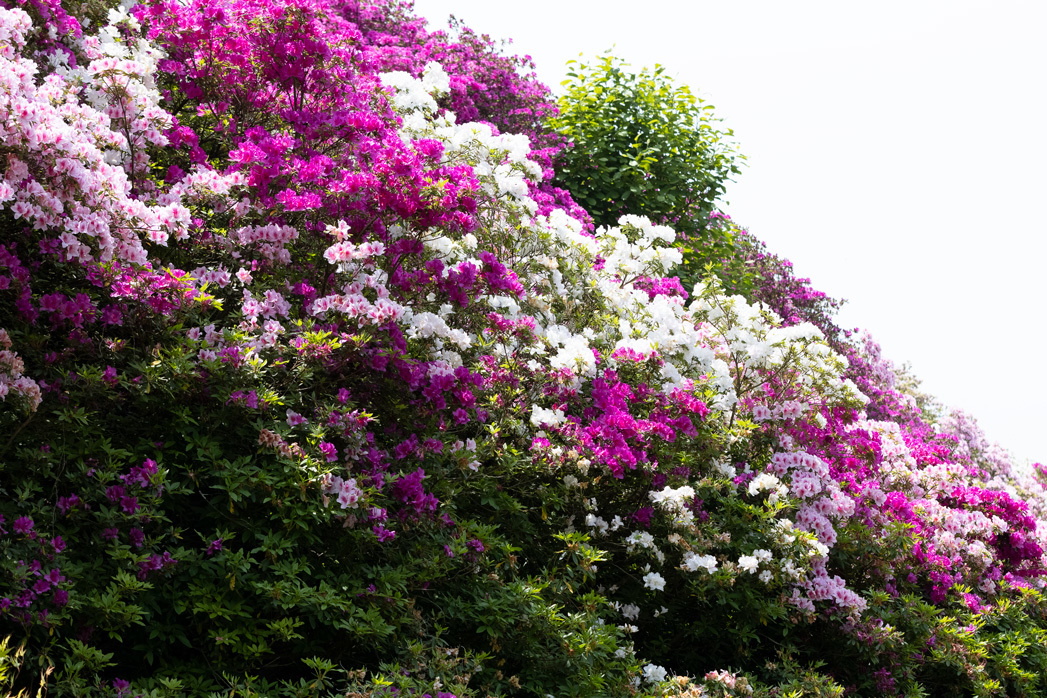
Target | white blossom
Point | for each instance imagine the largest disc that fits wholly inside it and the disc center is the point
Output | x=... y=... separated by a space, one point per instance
x=654 y=673
x=693 y=562
x=654 y=581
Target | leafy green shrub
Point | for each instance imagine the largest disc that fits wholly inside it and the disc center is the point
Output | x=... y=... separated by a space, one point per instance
x=641 y=144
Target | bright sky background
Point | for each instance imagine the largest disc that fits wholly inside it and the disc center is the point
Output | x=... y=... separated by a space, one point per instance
x=897 y=154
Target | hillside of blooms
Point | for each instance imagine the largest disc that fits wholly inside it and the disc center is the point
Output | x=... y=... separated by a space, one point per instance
x=331 y=365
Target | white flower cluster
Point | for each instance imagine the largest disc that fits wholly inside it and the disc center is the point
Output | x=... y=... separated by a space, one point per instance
x=765 y=482
x=412 y=95
x=752 y=339
x=541 y=416
x=626 y=260
x=693 y=562
x=675 y=502
x=654 y=581
x=654 y=673
x=751 y=563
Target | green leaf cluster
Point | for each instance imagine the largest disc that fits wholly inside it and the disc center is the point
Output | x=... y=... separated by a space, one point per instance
x=640 y=143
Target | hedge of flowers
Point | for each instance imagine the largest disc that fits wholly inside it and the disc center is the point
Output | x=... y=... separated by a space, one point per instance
x=312 y=385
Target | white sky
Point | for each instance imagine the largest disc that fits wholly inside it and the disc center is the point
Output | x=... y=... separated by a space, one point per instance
x=896 y=156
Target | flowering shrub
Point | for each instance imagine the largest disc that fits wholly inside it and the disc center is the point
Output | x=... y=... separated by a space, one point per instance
x=958 y=519
x=310 y=386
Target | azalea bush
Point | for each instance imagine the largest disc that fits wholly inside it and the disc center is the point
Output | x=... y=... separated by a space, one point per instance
x=314 y=383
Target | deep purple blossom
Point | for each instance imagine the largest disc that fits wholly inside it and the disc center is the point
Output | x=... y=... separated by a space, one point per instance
x=22 y=525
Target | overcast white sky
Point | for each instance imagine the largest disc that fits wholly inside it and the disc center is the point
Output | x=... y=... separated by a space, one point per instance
x=897 y=155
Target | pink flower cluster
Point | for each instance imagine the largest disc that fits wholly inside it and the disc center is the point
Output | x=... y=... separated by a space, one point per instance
x=62 y=181
x=11 y=379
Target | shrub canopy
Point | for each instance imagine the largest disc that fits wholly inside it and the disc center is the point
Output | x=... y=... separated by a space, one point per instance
x=640 y=143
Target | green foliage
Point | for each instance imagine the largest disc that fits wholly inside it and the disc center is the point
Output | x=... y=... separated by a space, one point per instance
x=957 y=650
x=723 y=250
x=296 y=588
x=641 y=144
